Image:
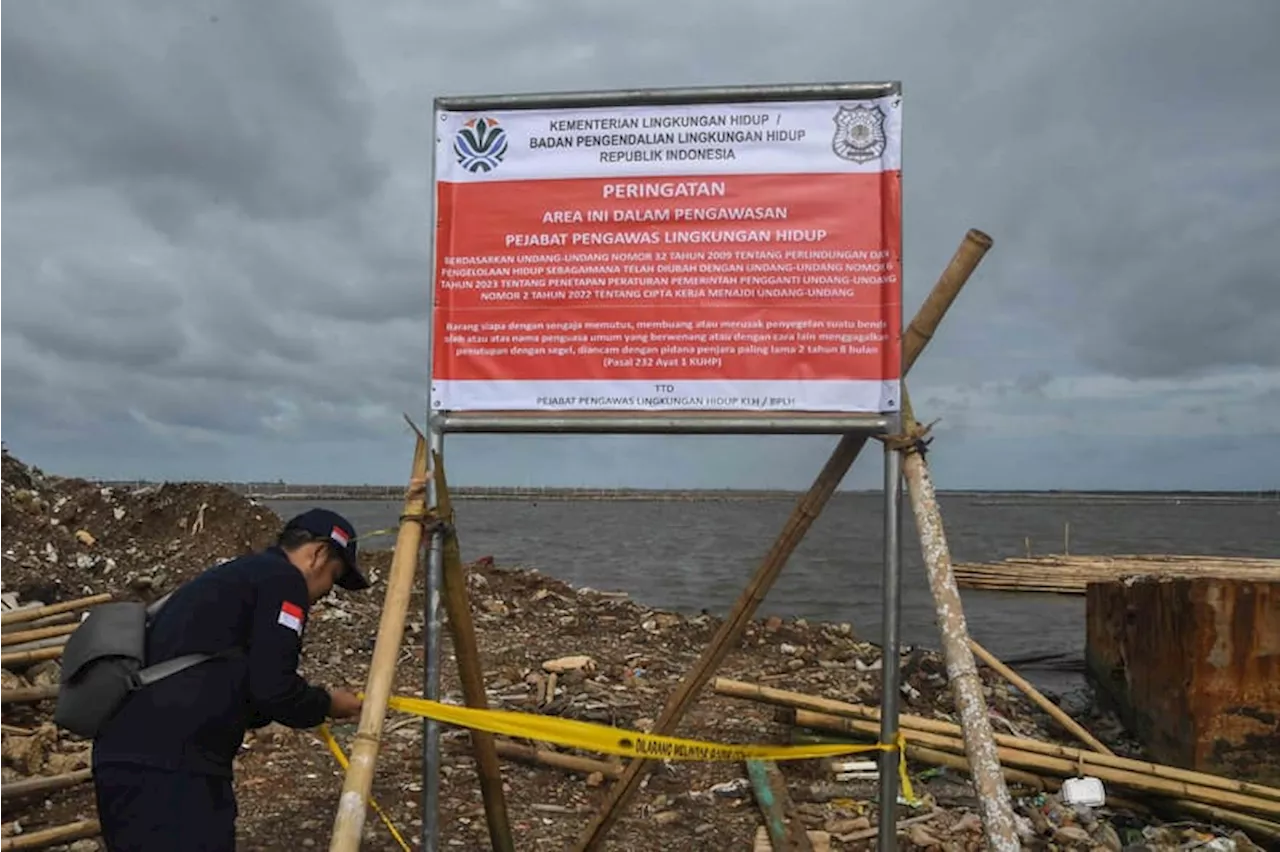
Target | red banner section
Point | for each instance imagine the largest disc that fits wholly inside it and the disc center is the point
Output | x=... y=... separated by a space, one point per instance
x=735 y=277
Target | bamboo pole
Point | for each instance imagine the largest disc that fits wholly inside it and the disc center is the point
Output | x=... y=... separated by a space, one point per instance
x=43 y=784
x=1262 y=829
x=921 y=329
x=28 y=694
x=936 y=757
x=19 y=637
x=36 y=644
x=26 y=658
x=1259 y=827
x=994 y=805
x=1107 y=757
x=46 y=837
x=911 y=723
x=46 y=621
x=558 y=760
x=1056 y=766
x=1066 y=574
x=1071 y=725
x=23 y=615
x=348 y=823
x=470 y=671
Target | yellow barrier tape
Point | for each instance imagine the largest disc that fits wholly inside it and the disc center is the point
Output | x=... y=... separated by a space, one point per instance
x=375 y=533
x=336 y=750
x=607 y=739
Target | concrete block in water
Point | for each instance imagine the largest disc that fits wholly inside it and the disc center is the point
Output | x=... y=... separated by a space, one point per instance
x=1192 y=667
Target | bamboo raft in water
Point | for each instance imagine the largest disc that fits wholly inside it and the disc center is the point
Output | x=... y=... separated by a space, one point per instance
x=1071 y=575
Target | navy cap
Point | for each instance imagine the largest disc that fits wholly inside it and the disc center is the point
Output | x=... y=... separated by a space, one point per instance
x=325 y=524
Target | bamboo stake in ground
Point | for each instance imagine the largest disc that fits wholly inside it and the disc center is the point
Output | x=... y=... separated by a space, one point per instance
x=470 y=672
x=994 y=805
x=46 y=837
x=921 y=329
x=348 y=824
x=38 y=612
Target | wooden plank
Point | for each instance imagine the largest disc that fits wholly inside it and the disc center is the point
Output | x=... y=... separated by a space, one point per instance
x=770 y=789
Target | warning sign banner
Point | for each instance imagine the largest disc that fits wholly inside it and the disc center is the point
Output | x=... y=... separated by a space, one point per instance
x=694 y=257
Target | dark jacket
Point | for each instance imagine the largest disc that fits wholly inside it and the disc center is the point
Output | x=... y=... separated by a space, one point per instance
x=195 y=720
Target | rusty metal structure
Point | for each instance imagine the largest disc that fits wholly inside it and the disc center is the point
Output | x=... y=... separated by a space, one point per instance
x=1192 y=667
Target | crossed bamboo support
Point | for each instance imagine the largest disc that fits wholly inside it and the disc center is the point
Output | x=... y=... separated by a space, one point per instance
x=352 y=806
x=914 y=339
x=349 y=821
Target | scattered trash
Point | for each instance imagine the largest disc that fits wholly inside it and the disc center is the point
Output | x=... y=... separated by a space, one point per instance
x=1087 y=791
x=545 y=647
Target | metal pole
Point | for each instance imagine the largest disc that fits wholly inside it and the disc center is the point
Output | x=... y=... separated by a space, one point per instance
x=890 y=651
x=434 y=575
x=431 y=675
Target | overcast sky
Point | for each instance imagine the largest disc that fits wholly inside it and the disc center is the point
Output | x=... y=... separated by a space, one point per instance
x=215 y=260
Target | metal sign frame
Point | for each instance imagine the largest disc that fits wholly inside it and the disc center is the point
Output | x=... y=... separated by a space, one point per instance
x=666 y=423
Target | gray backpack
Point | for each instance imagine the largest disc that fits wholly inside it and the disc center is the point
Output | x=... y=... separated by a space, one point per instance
x=105 y=659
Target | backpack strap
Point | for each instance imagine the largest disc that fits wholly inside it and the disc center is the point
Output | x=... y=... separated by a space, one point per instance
x=156 y=605
x=160 y=671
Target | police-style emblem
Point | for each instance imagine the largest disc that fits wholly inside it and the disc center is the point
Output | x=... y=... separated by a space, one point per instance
x=480 y=144
x=859 y=133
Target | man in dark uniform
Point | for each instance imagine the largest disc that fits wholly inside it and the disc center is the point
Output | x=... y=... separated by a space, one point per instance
x=162 y=766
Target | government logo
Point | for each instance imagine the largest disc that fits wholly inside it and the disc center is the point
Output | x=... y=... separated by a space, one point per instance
x=859 y=133
x=480 y=144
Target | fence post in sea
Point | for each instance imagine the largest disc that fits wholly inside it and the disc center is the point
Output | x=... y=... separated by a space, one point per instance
x=915 y=338
x=994 y=804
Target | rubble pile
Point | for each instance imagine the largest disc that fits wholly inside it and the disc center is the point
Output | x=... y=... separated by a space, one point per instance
x=65 y=538
x=545 y=647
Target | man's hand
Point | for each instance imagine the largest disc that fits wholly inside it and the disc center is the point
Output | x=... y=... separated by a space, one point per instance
x=343 y=704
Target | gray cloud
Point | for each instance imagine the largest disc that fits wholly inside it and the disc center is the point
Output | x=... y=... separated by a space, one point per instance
x=253 y=106
x=216 y=228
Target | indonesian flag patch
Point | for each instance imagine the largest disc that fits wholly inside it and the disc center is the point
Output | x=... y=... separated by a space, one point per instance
x=291 y=617
x=340 y=536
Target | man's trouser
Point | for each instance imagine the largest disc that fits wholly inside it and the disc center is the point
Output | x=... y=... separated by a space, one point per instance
x=153 y=810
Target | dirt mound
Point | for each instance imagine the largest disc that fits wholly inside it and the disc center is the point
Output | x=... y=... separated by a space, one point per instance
x=67 y=537
x=18 y=474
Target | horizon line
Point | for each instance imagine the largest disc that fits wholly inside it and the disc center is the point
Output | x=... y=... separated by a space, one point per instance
x=261 y=487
